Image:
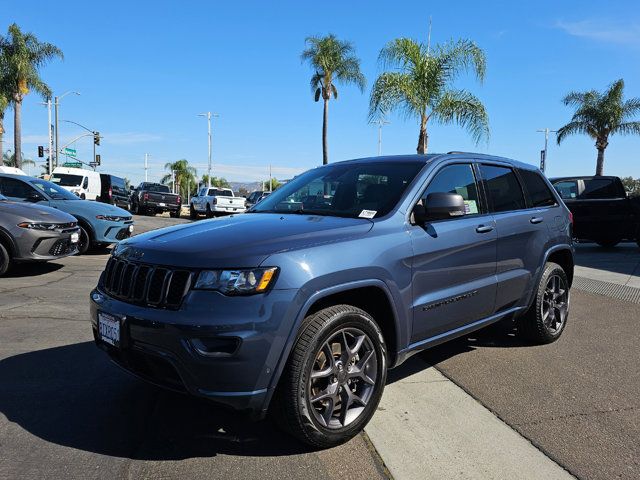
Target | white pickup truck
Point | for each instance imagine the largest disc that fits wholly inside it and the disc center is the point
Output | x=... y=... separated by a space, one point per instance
x=213 y=201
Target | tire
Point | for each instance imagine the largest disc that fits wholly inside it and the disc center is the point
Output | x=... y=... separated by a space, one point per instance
x=84 y=244
x=209 y=212
x=547 y=317
x=5 y=260
x=174 y=213
x=135 y=208
x=192 y=212
x=609 y=243
x=83 y=196
x=320 y=422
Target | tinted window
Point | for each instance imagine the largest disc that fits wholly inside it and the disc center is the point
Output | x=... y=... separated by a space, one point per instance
x=67 y=180
x=567 y=189
x=601 y=188
x=537 y=189
x=154 y=187
x=117 y=182
x=456 y=179
x=503 y=188
x=350 y=189
x=53 y=190
x=11 y=187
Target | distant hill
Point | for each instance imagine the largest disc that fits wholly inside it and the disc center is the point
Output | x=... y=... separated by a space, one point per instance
x=248 y=186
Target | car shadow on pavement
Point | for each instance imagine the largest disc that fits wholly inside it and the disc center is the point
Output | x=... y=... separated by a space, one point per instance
x=75 y=397
x=33 y=269
x=495 y=336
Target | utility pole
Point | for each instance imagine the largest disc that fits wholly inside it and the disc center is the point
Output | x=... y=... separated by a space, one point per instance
x=146 y=167
x=50 y=126
x=56 y=103
x=270 y=181
x=209 y=115
x=543 y=156
x=381 y=123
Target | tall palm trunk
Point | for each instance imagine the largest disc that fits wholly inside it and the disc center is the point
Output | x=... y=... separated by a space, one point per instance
x=601 y=145
x=423 y=137
x=1 y=138
x=325 y=120
x=17 y=131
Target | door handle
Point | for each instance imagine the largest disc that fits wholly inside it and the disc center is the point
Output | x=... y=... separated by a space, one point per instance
x=536 y=220
x=484 y=228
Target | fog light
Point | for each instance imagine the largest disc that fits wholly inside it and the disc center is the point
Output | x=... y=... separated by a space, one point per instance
x=216 y=346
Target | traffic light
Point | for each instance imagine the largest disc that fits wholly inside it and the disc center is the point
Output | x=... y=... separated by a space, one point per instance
x=40 y=151
x=98 y=160
x=96 y=138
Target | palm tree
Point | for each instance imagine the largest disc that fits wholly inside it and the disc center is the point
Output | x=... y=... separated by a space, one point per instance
x=9 y=159
x=420 y=86
x=24 y=55
x=184 y=173
x=333 y=61
x=219 y=182
x=4 y=103
x=601 y=114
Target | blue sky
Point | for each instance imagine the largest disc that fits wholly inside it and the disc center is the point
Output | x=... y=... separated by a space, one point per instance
x=145 y=69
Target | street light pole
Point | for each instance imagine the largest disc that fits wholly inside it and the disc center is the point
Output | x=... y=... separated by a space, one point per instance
x=209 y=115
x=56 y=104
x=381 y=123
x=146 y=160
x=543 y=160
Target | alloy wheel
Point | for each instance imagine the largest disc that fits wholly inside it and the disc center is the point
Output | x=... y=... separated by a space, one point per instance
x=555 y=304
x=342 y=378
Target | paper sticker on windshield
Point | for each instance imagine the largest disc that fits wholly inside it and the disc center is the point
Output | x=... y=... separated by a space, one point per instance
x=368 y=213
x=470 y=207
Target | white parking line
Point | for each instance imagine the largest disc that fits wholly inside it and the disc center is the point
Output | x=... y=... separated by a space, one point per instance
x=426 y=427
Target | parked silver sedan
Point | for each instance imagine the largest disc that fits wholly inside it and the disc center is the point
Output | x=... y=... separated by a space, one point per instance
x=34 y=233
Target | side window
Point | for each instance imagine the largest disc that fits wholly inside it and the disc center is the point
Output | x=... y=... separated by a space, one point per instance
x=458 y=179
x=567 y=189
x=503 y=188
x=537 y=189
x=600 y=188
x=85 y=183
x=10 y=187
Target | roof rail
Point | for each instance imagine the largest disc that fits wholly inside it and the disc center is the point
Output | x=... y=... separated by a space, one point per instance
x=455 y=152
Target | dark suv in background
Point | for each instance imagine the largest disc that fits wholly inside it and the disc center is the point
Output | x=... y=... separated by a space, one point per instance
x=113 y=190
x=302 y=304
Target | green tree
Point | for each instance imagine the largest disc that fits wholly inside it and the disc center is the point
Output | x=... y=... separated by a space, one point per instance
x=185 y=176
x=333 y=61
x=275 y=184
x=9 y=160
x=4 y=103
x=419 y=85
x=24 y=55
x=219 y=182
x=632 y=186
x=600 y=115
x=5 y=98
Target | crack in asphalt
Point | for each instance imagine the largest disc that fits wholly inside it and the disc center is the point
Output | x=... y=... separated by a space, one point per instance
x=574 y=415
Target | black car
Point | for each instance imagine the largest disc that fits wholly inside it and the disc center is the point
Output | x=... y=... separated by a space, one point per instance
x=602 y=211
x=150 y=198
x=113 y=190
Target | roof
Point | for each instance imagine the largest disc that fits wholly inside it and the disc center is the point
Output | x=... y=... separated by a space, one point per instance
x=585 y=177
x=440 y=157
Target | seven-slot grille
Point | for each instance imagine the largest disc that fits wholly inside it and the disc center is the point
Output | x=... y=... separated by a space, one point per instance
x=142 y=284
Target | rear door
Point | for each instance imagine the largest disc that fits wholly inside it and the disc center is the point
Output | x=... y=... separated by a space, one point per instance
x=522 y=234
x=454 y=260
x=604 y=210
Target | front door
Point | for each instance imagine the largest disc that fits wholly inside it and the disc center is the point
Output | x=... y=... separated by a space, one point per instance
x=454 y=262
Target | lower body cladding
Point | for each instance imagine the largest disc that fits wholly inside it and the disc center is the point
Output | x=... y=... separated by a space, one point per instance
x=223 y=348
x=44 y=246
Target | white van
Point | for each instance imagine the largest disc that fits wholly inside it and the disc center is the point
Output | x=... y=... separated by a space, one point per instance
x=84 y=183
x=12 y=170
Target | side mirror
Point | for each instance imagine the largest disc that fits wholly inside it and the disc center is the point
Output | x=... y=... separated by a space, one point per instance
x=442 y=205
x=132 y=188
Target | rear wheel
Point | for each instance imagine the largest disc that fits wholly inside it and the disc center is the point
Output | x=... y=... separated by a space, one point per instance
x=5 y=260
x=608 y=243
x=192 y=212
x=545 y=320
x=174 y=213
x=334 y=378
x=84 y=244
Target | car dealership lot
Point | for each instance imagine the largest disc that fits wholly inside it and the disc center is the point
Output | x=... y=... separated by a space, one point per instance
x=65 y=411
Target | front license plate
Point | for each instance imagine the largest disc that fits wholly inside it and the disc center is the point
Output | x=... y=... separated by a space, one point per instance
x=162 y=204
x=109 y=329
x=75 y=237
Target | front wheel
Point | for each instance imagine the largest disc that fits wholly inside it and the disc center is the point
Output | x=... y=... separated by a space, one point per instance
x=334 y=378
x=209 y=212
x=174 y=213
x=5 y=260
x=85 y=241
x=192 y=212
x=547 y=317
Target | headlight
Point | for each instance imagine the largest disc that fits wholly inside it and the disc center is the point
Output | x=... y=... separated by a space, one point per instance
x=38 y=226
x=236 y=282
x=111 y=218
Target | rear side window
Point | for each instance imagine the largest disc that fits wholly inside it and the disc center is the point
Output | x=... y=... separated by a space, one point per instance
x=117 y=182
x=10 y=187
x=503 y=188
x=537 y=189
x=601 y=188
x=458 y=179
x=567 y=189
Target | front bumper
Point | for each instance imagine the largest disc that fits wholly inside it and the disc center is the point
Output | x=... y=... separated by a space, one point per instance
x=43 y=245
x=112 y=232
x=222 y=348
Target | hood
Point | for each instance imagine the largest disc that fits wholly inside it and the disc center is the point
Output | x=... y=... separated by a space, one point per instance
x=27 y=212
x=88 y=209
x=242 y=241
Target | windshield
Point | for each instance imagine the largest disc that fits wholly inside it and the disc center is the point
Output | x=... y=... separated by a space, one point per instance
x=365 y=190
x=53 y=190
x=67 y=180
x=216 y=192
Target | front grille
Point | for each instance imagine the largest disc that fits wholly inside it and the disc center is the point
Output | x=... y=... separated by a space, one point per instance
x=142 y=284
x=61 y=247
